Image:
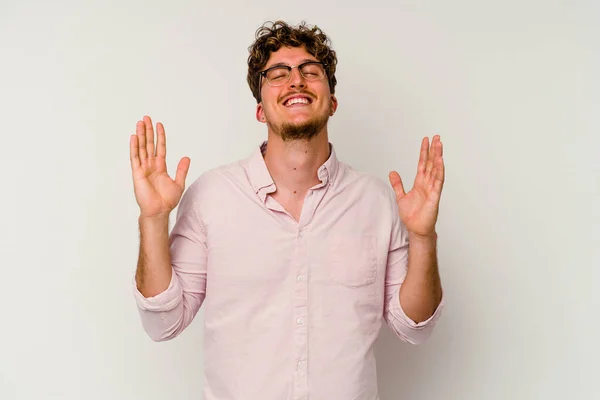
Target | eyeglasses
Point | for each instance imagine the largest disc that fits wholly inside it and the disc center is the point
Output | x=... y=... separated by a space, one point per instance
x=280 y=74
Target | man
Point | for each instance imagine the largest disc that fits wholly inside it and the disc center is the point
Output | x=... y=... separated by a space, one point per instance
x=296 y=257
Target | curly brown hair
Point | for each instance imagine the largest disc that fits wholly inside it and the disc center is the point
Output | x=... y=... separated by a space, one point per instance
x=273 y=35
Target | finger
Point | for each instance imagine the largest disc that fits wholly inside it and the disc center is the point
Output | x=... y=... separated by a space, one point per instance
x=182 y=170
x=439 y=159
x=141 y=136
x=440 y=169
x=423 y=155
x=149 y=136
x=161 y=142
x=134 y=156
x=435 y=152
x=438 y=185
x=396 y=183
x=437 y=177
x=430 y=157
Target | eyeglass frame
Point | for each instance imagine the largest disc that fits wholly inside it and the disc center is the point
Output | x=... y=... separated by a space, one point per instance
x=263 y=73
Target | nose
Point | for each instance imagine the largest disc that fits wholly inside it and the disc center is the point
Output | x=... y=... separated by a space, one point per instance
x=296 y=78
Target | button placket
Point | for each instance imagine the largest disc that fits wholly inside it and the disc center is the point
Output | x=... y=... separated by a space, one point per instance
x=300 y=317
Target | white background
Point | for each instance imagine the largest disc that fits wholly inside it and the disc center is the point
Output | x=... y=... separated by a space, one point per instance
x=512 y=87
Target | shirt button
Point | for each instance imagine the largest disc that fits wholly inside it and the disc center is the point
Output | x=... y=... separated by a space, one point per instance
x=299 y=278
x=300 y=365
x=300 y=321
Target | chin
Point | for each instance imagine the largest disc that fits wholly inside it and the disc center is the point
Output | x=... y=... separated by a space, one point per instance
x=299 y=120
x=301 y=128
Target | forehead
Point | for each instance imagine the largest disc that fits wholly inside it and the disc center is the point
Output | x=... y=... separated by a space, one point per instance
x=290 y=56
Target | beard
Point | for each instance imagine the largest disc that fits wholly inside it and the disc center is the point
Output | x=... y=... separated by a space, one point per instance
x=302 y=131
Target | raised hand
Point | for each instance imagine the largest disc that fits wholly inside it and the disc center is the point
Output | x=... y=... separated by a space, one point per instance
x=155 y=192
x=419 y=207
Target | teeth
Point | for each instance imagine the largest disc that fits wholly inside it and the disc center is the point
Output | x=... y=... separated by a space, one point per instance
x=296 y=100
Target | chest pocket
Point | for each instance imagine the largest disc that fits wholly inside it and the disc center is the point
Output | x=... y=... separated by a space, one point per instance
x=353 y=259
x=244 y=259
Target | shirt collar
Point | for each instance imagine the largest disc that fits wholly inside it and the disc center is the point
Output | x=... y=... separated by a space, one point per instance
x=261 y=179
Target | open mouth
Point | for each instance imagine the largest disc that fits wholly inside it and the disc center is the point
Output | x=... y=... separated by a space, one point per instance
x=297 y=101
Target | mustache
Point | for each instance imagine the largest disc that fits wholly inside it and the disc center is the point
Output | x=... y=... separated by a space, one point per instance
x=296 y=92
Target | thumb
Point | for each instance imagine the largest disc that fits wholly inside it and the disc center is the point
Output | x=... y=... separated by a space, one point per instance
x=396 y=183
x=182 y=170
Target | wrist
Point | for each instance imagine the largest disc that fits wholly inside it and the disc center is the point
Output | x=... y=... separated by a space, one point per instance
x=429 y=238
x=158 y=220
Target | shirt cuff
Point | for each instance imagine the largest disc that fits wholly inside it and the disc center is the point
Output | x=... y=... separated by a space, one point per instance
x=398 y=313
x=164 y=301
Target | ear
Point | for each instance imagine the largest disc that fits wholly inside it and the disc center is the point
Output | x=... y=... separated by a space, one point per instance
x=334 y=104
x=260 y=113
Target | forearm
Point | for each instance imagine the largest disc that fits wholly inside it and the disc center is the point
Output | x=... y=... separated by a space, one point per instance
x=154 y=271
x=421 y=291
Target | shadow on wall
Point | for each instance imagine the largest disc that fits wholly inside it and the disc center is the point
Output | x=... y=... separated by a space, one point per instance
x=447 y=365
x=423 y=372
x=401 y=367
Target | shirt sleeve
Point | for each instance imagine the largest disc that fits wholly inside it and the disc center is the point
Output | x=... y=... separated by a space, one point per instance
x=397 y=265
x=167 y=314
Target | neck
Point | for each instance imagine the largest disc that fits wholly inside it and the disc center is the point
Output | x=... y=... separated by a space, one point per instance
x=294 y=165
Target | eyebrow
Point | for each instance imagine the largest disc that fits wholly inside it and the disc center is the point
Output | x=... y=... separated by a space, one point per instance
x=282 y=64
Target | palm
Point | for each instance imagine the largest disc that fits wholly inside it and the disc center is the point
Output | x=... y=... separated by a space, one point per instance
x=156 y=193
x=419 y=207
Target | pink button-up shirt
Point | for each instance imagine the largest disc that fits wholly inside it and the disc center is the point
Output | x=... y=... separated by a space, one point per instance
x=291 y=309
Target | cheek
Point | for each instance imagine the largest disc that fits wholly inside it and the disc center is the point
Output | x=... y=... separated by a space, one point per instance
x=327 y=104
x=270 y=102
x=270 y=111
